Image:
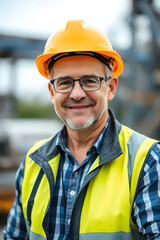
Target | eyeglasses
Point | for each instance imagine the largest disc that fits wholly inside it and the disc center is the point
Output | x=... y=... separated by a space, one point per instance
x=87 y=83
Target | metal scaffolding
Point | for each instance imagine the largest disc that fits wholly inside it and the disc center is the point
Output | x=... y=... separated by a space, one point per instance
x=141 y=110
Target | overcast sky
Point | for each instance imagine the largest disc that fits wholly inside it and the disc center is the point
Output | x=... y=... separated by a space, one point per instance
x=39 y=18
x=42 y=17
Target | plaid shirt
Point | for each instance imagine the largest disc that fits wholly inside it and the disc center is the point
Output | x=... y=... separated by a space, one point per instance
x=68 y=184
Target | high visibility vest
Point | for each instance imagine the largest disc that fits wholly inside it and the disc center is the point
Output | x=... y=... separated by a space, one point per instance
x=103 y=206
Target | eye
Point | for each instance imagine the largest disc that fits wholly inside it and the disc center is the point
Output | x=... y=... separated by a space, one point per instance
x=63 y=82
x=90 y=80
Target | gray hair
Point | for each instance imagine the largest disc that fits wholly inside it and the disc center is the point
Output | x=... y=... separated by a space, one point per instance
x=109 y=72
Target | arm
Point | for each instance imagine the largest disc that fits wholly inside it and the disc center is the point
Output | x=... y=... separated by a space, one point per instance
x=16 y=228
x=146 y=207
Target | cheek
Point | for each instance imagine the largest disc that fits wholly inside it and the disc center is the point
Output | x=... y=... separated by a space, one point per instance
x=58 y=102
x=103 y=95
x=100 y=100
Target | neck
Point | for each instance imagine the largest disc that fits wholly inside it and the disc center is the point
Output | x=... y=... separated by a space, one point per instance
x=79 y=141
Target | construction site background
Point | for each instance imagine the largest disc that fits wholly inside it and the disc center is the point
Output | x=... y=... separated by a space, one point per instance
x=137 y=103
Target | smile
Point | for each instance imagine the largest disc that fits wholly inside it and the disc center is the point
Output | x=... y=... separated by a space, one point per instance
x=79 y=107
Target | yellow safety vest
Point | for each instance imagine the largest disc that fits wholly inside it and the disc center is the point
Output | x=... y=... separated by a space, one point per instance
x=103 y=207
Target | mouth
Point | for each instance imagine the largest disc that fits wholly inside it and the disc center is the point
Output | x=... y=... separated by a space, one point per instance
x=79 y=108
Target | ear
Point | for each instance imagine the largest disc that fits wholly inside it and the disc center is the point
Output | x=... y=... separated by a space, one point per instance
x=50 y=88
x=112 y=87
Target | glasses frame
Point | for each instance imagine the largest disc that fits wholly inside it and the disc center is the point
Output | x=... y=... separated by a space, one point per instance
x=52 y=81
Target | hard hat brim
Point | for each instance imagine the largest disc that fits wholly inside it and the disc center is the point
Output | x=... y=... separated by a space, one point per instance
x=42 y=61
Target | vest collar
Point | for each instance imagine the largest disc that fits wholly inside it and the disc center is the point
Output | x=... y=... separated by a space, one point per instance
x=111 y=148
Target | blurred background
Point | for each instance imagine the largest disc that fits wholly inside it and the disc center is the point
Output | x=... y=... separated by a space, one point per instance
x=26 y=113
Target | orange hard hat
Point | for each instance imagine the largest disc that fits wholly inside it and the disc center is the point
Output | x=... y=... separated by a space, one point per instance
x=78 y=37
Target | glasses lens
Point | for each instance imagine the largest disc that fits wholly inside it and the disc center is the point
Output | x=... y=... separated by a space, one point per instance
x=63 y=84
x=90 y=83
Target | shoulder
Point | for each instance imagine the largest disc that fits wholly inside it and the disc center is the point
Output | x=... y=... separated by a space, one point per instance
x=152 y=159
x=135 y=139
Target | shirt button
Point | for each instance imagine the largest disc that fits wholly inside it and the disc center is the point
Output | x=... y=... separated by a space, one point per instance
x=72 y=193
x=76 y=174
x=69 y=220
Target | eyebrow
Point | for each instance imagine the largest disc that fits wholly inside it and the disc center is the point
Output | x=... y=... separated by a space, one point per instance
x=85 y=75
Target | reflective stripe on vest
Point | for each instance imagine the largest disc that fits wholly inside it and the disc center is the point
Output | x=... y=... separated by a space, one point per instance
x=111 y=236
x=106 y=211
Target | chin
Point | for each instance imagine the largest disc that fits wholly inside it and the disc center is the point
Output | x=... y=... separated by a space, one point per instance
x=77 y=126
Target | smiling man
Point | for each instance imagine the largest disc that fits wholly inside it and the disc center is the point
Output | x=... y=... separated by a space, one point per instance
x=82 y=103
x=96 y=179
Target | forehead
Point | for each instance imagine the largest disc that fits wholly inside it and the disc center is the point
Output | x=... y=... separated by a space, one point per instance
x=78 y=65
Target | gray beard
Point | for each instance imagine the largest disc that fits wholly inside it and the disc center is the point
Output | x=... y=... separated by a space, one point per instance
x=80 y=126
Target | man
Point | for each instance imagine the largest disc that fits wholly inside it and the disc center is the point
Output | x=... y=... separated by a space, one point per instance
x=96 y=179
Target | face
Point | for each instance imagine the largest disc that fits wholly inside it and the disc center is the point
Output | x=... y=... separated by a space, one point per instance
x=81 y=109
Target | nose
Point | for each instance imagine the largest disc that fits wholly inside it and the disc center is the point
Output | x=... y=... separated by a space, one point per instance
x=77 y=92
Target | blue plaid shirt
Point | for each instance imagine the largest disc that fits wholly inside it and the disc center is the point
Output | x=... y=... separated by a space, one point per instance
x=68 y=184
